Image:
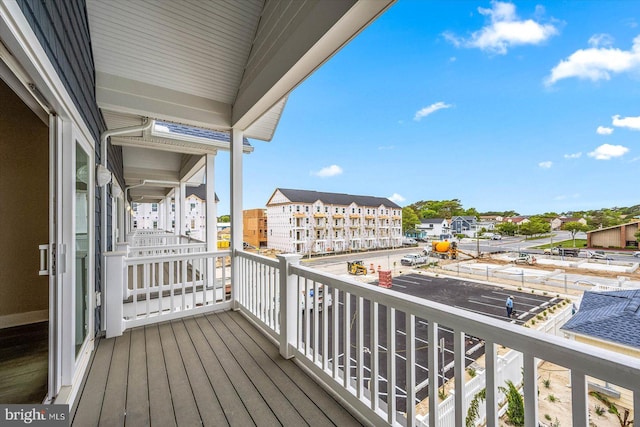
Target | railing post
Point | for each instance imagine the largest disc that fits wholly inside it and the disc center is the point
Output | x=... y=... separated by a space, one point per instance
x=114 y=290
x=289 y=310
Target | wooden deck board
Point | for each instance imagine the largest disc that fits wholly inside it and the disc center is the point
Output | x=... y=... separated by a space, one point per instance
x=160 y=404
x=137 y=384
x=327 y=404
x=235 y=413
x=115 y=395
x=214 y=369
x=184 y=404
x=210 y=410
x=90 y=402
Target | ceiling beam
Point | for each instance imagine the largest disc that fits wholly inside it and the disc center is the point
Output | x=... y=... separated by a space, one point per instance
x=134 y=97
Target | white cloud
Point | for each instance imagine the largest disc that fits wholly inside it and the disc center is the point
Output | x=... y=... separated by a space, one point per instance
x=597 y=62
x=600 y=40
x=396 y=198
x=505 y=30
x=608 y=151
x=626 y=122
x=562 y=197
x=328 y=171
x=545 y=165
x=430 y=109
x=573 y=155
x=603 y=130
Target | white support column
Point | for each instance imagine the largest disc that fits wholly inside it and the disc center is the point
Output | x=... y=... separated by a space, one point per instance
x=168 y=212
x=183 y=209
x=211 y=212
x=211 y=215
x=177 y=197
x=161 y=215
x=288 y=305
x=236 y=207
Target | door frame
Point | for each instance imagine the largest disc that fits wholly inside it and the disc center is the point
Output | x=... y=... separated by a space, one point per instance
x=40 y=77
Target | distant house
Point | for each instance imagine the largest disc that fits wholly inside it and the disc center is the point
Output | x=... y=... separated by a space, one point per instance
x=434 y=227
x=517 y=220
x=466 y=225
x=557 y=223
x=618 y=236
x=609 y=320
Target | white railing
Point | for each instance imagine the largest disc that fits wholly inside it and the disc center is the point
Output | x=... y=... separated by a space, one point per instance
x=331 y=337
x=147 y=289
x=156 y=238
x=185 y=248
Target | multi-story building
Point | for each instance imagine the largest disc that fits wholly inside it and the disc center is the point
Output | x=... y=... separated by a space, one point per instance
x=304 y=221
x=255 y=227
x=150 y=216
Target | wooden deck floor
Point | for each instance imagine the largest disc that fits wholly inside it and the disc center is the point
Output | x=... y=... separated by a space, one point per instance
x=213 y=370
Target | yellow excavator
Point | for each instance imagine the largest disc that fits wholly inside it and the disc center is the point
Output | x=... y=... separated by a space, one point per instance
x=356 y=267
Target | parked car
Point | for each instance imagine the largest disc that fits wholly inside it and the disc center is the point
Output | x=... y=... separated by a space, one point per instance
x=408 y=241
x=636 y=254
x=496 y=237
x=413 y=259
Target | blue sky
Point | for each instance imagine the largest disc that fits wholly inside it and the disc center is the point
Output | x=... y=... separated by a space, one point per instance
x=522 y=106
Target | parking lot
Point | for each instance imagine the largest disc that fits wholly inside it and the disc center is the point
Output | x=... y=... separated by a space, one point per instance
x=479 y=298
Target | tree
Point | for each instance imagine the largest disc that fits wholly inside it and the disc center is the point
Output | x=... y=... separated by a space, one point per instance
x=574 y=227
x=637 y=236
x=535 y=225
x=409 y=219
x=507 y=228
x=224 y=218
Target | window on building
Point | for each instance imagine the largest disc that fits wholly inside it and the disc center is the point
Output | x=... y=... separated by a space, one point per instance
x=193 y=223
x=193 y=206
x=368 y=211
x=135 y=207
x=307 y=220
x=307 y=233
x=173 y=223
x=359 y=210
x=306 y=209
x=135 y=224
x=343 y=210
x=154 y=207
x=155 y=225
x=173 y=207
x=318 y=209
x=353 y=210
x=297 y=208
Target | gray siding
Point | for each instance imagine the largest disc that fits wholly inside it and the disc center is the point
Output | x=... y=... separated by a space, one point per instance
x=63 y=31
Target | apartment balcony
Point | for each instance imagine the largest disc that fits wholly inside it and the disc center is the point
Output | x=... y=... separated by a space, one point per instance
x=193 y=340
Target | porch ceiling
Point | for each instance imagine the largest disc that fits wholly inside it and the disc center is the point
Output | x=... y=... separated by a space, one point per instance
x=215 y=64
x=209 y=64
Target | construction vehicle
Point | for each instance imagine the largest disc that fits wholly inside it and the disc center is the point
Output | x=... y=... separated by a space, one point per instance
x=525 y=258
x=562 y=251
x=356 y=267
x=445 y=249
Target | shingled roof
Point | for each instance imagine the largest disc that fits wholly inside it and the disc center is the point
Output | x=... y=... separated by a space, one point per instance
x=308 y=196
x=612 y=316
x=199 y=132
x=200 y=191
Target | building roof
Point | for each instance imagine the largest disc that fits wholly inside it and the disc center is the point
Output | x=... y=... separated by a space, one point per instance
x=309 y=196
x=196 y=132
x=200 y=191
x=612 y=227
x=432 y=220
x=464 y=217
x=612 y=316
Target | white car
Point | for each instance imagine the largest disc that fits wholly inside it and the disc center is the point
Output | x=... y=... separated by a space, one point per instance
x=636 y=254
x=413 y=259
